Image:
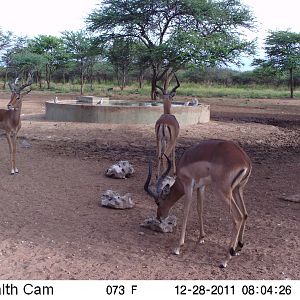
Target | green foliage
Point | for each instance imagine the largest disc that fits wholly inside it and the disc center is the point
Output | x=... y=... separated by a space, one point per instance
x=26 y=61
x=121 y=56
x=81 y=47
x=175 y=33
x=5 y=39
x=282 y=54
x=51 y=48
x=283 y=49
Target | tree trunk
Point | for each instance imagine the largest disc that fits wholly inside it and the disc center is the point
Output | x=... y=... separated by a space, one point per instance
x=123 y=81
x=5 y=78
x=81 y=78
x=141 y=79
x=91 y=77
x=292 y=83
x=153 y=82
x=48 y=76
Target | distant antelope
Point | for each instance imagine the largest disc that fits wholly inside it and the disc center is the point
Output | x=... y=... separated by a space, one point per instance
x=10 y=118
x=225 y=166
x=166 y=128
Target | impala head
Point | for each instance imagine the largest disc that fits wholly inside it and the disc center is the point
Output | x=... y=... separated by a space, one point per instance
x=159 y=193
x=163 y=93
x=17 y=92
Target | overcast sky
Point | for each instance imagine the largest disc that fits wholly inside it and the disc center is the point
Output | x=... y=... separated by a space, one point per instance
x=34 y=17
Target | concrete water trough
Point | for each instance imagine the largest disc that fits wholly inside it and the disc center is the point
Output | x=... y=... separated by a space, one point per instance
x=103 y=110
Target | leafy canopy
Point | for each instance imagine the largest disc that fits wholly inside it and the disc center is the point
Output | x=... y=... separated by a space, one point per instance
x=283 y=49
x=177 y=32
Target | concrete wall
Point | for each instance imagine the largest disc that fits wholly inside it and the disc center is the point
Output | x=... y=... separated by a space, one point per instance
x=64 y=111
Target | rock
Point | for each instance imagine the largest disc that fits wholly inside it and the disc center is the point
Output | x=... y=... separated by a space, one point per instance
x=120 y=170
x=25 y=144
x=113 y=199
x=164 y=226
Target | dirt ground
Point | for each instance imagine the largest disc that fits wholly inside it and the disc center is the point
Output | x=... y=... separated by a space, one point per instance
x=52 y=226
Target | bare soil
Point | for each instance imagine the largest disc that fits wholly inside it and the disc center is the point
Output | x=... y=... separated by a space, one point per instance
x=52 y=226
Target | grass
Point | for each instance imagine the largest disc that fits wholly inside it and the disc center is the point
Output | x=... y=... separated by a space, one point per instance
x=185 y=90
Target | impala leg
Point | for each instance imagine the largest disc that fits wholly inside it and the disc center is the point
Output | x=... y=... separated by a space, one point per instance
x=238 y=195
x=187 y=206
x=10 y=145
x=237 y=218
x=170 y=149
x=161 y=145
x=174 y=164
x=159 y=157
x=200 y=199
x=14 y=144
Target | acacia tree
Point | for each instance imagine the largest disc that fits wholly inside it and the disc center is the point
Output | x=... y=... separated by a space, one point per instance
x=11 y=47
x=175 y=33
x=282 y=53
x=25 y=62
x=120 y=55
x=5 y=43
x=51 y=48
x=80 y=48
x=5 y=39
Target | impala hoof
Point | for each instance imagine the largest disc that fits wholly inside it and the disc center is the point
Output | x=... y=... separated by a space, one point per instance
x=176 y=251
x=222 y=265
x=239 y=246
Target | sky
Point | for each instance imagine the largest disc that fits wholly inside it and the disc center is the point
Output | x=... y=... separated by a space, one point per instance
x=34 y=17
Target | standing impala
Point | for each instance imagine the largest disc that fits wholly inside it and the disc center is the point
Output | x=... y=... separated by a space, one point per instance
x=220 y=163
x=166 y=128
x=10 y=119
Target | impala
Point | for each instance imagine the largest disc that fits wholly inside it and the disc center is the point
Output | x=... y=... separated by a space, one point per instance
x=166 y=128
x=223 y=165
x=10 y=119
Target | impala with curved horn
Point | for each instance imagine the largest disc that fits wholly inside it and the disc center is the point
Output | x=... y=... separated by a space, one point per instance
x=223 y=165
x=10 y=118
x=166 y=127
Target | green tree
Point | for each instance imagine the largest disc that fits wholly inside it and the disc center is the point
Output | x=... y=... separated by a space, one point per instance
x=80 y=46
x=25 y=62
x=282 y=50
x=120 y=55
x=175 y=33
x=52 y=49
x=14 y=46
x=5 y=39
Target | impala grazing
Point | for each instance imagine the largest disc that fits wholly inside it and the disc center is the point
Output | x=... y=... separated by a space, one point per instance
x=223 y=165
x=10 y=119
x=166 y=128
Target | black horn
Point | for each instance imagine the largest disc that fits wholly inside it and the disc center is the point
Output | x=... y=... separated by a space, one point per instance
x=146 y=185
x=177 y=86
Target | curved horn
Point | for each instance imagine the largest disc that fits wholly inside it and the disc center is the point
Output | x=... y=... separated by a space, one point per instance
x=12 y=87
x=158 y=78
x=28 y=83
x=146 y=186
x=177 y=86
x=163 y=176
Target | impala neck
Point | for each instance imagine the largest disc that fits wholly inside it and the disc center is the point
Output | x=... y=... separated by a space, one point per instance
x=17 y=108
x=167 y=106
